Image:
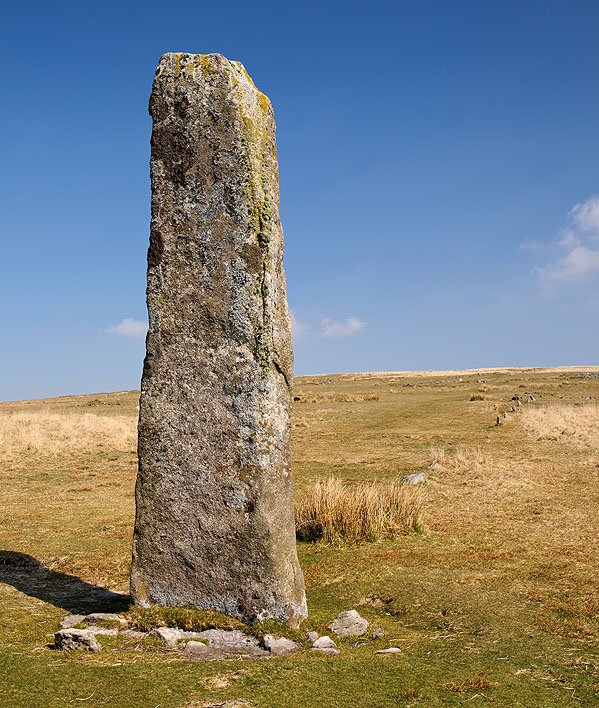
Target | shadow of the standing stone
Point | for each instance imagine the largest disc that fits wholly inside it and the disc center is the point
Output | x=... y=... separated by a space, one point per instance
x=29 y=576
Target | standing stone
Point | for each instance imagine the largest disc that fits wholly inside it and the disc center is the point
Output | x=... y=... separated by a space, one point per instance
x=214 y=526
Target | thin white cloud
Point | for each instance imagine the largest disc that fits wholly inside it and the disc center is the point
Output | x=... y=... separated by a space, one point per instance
x=129 y=328
x=531 y=245
x=298 y=329
x=352 y=325
x=580 y=262
x=579 y=239
x=586 y=215
x=569 y=239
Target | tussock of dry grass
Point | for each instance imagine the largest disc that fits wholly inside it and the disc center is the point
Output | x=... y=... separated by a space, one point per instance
x=464 y=458
x=332 y=511
x=579 y=424
x=336 y=398
x=45 y=433
x=474 y=684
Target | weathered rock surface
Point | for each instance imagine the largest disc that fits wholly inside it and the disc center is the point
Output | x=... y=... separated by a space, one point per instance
x=73 y=639
x=278 y=646
x=195 y=648
x=71 y=621
x=106 y=631
x=324 y=643
x=169 y=636
x=312 y=636
x=415 y=478
x=348 y=624
x=214 y=525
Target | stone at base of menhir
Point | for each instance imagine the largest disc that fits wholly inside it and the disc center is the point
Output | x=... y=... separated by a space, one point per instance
x=279 y=646
x=73 y=639
x=348 y=624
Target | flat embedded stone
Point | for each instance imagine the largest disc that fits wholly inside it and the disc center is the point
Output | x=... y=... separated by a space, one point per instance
x=106 y=631
x=390 y=650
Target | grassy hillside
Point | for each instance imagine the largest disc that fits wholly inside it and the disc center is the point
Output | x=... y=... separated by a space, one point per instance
x=495 y=600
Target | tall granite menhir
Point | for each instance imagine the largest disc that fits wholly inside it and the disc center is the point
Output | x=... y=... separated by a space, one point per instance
x=214 y=525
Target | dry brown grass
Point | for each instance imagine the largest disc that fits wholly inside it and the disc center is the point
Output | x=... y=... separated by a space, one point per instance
x=45 y=433
x=474 y=684
x=335 y=398
x=464 y=458
x=577 y=424
x=333 y=511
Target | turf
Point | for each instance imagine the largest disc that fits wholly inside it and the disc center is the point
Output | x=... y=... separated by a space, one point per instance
x=495 y=601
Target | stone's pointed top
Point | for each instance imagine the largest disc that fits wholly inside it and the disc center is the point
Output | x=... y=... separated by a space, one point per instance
x=181 y=62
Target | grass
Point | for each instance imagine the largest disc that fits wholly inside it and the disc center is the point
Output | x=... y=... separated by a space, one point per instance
x=495 y=601
x=575 y=423
x=332 y=511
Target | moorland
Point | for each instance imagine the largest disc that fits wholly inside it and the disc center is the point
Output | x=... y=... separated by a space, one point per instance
x=492 y=596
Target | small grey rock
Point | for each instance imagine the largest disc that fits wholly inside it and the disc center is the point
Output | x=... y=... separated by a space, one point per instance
x=378 y=633
x=195 y=648
x=390 y=650
x=71 y=620
x=324 y=643
x=348 y=623
x=278 y=646
x=168 y=635
x=73 y=639
x=415 y=478
x=312 y=636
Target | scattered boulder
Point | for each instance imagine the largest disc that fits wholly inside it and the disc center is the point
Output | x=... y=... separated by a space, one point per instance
x=348 y=623
x=390 y=650
x=378 y=633
x=278 y=646
x=324 y=643
x=74 y=639
x=415 y=478
x=71 y=621
x=169 y=635
x=312 y=636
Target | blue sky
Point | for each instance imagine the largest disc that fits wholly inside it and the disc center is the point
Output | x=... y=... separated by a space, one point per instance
x=439 y=168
